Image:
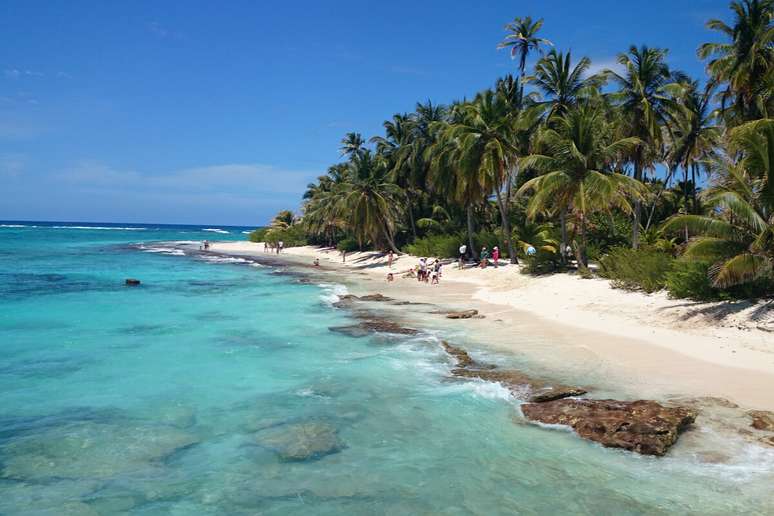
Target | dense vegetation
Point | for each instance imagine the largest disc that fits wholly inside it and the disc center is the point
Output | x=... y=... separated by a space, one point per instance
x=663 y=178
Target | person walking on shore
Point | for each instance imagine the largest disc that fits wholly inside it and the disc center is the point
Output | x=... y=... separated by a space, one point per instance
x=463 y=252
x=495 y=255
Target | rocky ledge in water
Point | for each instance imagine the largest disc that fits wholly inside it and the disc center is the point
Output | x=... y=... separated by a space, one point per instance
x=465 y=314
x=762 y=420
x=300 y=441
x=367 y=327
x=538 y=391
x=641 y=426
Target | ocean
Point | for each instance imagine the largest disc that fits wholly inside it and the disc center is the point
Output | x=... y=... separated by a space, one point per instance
x=216 y=387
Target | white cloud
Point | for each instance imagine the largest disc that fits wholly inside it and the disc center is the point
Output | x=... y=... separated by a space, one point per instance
x=15 y=73
x=242 y=179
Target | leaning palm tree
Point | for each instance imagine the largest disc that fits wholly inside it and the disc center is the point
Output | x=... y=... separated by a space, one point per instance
x=745 y=63
x=738 y=234
x=642 y=106
x=522 y=39
x=576 y=172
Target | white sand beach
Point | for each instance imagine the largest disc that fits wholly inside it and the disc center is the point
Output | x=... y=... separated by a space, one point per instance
x=648 y=345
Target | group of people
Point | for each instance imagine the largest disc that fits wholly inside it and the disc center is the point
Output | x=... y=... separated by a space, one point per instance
x=205 y=246
x=272 y=247
x=424 y=271
x=484 y=256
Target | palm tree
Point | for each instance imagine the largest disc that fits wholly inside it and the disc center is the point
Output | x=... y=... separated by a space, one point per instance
x=560 y=82
x=484 y=146
x=744 y=64
x=642 y=107
x=693 y=133
x=369 y=201
x=283 y=220
x=738 y=235
x=352 y=144
x=577 y=174
x=522 y=39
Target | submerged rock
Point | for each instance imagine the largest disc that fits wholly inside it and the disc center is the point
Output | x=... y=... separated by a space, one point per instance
x=345 y=301
x=91 y=450
x=465 y=314
x=131 y=282
x=537 y=391
x=301 y=441
x=642 y=426
x=375 y=297
x=762 y=420
x=373 y=326
x=459 y=354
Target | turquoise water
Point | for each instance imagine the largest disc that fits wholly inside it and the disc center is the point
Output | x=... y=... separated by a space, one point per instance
x=217 y=388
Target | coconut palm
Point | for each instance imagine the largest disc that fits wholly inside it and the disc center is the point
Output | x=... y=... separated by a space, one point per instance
x=560 y=82
x=352 y=144
x=576 y=171
x=522 y=39
x=484 y=146
x=642 y=108
x=369 y=202
x=738 y=234
x=745 y=63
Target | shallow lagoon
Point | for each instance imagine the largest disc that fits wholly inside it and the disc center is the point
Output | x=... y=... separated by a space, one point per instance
x=216 y=387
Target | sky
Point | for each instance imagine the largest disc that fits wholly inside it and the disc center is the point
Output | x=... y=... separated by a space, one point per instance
x=221 y=112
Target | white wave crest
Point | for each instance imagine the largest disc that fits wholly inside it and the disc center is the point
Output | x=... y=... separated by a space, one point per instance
x=332 y=292
x=224 y=259
x=216 y=230
x=101 y=227
x=16 y=226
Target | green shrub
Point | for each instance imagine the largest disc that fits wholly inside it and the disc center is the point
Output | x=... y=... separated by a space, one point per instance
x=690 y=279
x=348 y=245
x=643 y=269
x=441 y=246
x=291 y=236
x=258 y=235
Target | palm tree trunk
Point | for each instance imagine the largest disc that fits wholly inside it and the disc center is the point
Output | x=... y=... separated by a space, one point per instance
x=471 y=246
x=685 y=196
x=658 y=196
x=637 y=206
x=411 y=214
x=694 y=200
x=583 y=260
x=506 y=224
x=563 y=225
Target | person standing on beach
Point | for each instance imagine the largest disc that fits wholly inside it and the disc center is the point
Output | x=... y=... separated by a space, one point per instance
x=389 y=259
x=484 y=257
x=280 y=245
x=495 y=255
x=463 y=252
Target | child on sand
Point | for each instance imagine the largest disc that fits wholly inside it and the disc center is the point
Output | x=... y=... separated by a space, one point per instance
x=495 y=255
x=390 y=277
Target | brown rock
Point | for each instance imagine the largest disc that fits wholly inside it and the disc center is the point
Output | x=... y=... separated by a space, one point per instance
x=641 y=426
x=762 y=420
x=375 y=297
x=768 y=440
x=538 y=391
x=466 y=314
x=373 y=326
x=131 y=282
x=345 y=301
x=462 y=357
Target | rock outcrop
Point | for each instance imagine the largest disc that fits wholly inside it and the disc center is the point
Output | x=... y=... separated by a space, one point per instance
x=459 y=354
x=642 y=426
x=465 y=314
x=375 y=297
x=300 y=441
x=522 y=385
x=762 y=420
x=373 y=326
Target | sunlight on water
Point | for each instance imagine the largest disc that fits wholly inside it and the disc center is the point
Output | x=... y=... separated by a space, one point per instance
x=216 y=388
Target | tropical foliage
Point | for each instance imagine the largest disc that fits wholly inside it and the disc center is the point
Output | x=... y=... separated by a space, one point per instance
x=661 y=179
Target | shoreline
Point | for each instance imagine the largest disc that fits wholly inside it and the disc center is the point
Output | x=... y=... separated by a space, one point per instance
x=578 y=329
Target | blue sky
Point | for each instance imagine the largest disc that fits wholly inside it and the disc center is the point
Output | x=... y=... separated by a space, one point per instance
x=220 y=113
